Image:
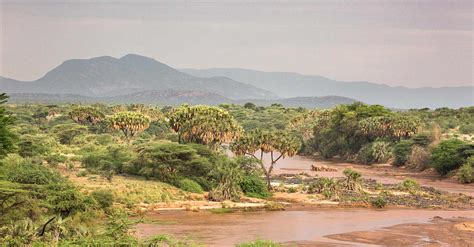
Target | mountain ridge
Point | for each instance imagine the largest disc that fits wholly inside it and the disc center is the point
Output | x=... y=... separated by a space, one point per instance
x=109 y=76
x=288 y=84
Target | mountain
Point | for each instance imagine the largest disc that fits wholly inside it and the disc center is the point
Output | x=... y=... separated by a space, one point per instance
x=296 y=85
x=108 y=76
x=176 y=97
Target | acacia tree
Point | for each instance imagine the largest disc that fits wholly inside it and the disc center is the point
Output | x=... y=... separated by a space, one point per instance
x=130 y=123
x=6 y=136
x=278 y=144
x=86 y=114
x=204 y=124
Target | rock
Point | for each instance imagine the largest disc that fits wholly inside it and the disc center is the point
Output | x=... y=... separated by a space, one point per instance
x=323 y=168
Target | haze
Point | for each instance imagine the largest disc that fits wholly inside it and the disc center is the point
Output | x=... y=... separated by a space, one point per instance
x=417 y=43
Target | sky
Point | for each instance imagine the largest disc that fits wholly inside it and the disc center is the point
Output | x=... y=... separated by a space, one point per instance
x=399 y=43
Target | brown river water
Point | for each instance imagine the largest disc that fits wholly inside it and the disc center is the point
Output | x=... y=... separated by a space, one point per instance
x=292 y=226
x=307 y=226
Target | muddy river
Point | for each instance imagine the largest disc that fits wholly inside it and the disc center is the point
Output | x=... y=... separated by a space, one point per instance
x=309 y=226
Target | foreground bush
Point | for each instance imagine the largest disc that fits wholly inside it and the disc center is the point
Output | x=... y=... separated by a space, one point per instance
x=466 y=172
x=445 y=157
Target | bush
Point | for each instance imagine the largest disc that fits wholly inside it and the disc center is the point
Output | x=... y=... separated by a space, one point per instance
x=327 y=186
x=254 y=186
x=419 y=158
x=104 y=198
x=422 y=139
x=401 y=151
x=466 y=172
x=228 y=174
x=65 y=199
x=467 y=128
x=25 y=171
x=379 y=202
x=409 y=185
x=375 y=152
x=353 y=179
x=190 y=186
x=445 y=157
x=82 y=173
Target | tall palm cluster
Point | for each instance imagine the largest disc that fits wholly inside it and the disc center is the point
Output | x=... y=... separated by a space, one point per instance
x=204 y=124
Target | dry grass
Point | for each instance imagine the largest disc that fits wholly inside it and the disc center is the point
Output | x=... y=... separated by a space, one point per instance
x=130 y=190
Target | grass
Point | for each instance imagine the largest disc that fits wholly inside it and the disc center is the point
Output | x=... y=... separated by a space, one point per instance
x=129 y=190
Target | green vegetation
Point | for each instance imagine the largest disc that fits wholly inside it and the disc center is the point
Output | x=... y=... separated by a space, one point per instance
x=73 y=174
x=6 y=135
x=259 y=243
x=446 y=156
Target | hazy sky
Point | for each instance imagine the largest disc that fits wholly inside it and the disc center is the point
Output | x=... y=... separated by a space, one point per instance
x=409 y=43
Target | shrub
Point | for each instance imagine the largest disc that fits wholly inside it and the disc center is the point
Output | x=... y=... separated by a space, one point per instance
x=353 y=179
x=419 y=158
x=189 y=185
x=25 y=171
x=401 y=151
x=326 y=186
x=409 y=185
x=228 y=174
x=467 y=128
x=55 y=159
x=104 y=198
x=422 y=139
x=65 y=199
x=445 y=157
x=254 y=186
x=82 y=173
x=375 y=152
x=379 y=202
x=466 y=172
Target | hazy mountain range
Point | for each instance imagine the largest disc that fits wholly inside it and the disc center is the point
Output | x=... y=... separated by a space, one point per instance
x=108 y=76
x=135 y=78
x=286 y=84
x=177 y=97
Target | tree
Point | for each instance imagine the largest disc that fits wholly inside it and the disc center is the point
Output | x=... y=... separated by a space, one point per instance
x=67 y=132
x=6 y=136
x=278 y=144
x=165 y=161
x=204 y=125
x=86 y=114
x=130 y=123
x=392 y=126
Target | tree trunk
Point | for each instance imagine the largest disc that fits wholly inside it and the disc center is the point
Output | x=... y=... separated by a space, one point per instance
x=267 y=176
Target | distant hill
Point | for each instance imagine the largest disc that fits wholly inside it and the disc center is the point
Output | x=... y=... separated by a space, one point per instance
x=296 y=85
x=107 y=76
x=176 y=97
